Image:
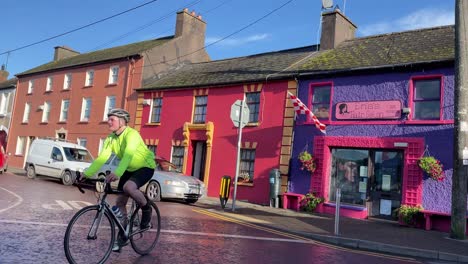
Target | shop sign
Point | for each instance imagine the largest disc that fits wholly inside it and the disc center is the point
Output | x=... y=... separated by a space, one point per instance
x=368 y=110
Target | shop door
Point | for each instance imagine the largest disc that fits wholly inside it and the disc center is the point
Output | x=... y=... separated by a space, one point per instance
x=385 y=183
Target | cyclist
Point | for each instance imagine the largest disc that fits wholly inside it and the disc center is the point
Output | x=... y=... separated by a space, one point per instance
x=136 y=167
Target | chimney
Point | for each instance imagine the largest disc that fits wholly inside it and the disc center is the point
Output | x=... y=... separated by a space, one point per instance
x=3 y=74
x=189 y=23
x=62 y=52
x=336 y=28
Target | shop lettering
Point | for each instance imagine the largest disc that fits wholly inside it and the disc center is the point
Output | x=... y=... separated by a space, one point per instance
x=368 y=110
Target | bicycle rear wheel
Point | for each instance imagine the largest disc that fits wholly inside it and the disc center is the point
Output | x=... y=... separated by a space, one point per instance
x=90 y=236
x=145 y=241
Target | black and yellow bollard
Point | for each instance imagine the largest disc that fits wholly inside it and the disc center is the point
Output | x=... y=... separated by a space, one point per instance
x=224 y=190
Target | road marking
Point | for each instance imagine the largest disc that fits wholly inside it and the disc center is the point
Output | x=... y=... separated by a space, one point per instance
x=65 y=205
x=19 y=201
x=176 y=232
x=210 y=212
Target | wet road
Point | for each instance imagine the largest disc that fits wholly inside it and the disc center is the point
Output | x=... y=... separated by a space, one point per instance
x=34 y=215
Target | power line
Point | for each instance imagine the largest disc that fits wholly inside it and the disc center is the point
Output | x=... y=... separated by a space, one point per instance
x=74 y=30
x=228 y=36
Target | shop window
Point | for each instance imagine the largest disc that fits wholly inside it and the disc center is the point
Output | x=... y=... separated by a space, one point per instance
x=253 y=102
x=426 y=98
x=320 y=103
x=349 y=173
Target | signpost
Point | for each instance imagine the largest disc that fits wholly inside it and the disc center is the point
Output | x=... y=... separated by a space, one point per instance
x=240 y=117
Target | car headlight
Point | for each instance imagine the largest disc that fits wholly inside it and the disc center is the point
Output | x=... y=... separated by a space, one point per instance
x=175 y=183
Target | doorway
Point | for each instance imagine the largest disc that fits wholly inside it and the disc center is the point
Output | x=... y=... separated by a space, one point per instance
x=199 y=158
x=385 y=184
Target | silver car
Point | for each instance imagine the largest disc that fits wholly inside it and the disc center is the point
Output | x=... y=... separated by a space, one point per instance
x=167 y=182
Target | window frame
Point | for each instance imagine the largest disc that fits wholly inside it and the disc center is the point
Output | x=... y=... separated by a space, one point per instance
x=31 y=86
x=20 y=144
x=5 y=98
x=154 y=110
x=312 y=87
x=26 y=113
x=46 y=112
x=254 y=106
x=64 y=111
x=247 y=164
x=67 y=81
x=89 y=78
x=412 y=101
x=85 y=110
x=203 y=107
x=108 y=106
x=180 y=158
x=49 y=84
x=113 y=76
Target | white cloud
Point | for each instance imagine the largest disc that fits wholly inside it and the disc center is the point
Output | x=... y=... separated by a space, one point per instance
x=237 y=41
x=423 y=18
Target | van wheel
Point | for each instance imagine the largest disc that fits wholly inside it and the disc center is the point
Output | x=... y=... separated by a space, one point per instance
x=67 y=178
x=31 y=172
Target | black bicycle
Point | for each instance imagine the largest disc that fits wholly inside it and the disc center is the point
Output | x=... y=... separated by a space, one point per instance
x=92 y=231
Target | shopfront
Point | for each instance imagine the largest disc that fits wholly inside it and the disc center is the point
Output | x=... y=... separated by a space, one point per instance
x=375 y=175
x=368 y=178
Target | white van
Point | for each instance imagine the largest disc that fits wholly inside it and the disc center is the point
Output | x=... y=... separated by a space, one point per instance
x=56 y=158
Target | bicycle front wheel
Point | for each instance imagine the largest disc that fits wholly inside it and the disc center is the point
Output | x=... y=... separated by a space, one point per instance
x=145 y=241
x=90 y=236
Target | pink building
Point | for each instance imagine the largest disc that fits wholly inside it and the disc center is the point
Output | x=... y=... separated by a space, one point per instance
x=186 y=117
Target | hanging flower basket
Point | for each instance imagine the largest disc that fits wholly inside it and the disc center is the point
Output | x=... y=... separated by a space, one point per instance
x=432 y=167
x=307 y=161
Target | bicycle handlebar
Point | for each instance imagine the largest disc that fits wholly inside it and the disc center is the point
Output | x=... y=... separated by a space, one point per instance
x=107 y=186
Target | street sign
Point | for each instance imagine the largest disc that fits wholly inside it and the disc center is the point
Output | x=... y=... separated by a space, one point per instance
x=236 y=113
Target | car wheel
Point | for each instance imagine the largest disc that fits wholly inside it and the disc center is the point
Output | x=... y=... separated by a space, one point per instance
x=31 y=172
x=67 y=178
x=191 y=201
x=153 y=191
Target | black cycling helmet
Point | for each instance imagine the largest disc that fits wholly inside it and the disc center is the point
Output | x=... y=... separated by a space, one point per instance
x=119 y=113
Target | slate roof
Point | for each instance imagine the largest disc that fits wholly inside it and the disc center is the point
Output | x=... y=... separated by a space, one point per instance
x=402 y=48
x=387 y=50
x=100 y=55
x=260 y=67
x=11 y=83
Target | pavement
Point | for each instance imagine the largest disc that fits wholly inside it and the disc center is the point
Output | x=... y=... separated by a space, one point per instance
x=370 y=234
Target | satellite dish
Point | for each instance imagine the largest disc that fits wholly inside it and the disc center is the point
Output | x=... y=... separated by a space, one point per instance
x=327 y=4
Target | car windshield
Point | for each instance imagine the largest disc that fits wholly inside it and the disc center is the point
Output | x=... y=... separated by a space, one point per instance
x=75 y=154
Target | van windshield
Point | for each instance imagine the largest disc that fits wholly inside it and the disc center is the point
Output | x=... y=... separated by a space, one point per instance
x=74 y=154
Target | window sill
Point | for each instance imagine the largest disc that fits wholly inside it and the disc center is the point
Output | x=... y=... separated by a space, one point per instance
x=87 y=86
x=25 y=122
x=153 y=124
x=250 y=184
x=44 y=123
x=61 y=122
x=345 y=206
x=428 y=122
x=256 y=124
x=111 y=84
x=83 y=122
x=65 y=90
x=48 y=91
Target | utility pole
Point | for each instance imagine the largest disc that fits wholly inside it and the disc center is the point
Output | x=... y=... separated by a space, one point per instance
x=459 y=178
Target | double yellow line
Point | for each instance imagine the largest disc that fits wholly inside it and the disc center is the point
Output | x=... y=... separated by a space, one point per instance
x=274 y=231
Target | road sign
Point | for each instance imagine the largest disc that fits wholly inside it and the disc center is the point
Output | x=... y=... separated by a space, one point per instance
x=236 y=113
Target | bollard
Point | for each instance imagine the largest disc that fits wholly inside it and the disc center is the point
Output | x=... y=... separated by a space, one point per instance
x=337 y=211
x=224 y=190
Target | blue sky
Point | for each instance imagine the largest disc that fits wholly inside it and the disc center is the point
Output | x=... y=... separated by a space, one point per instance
x=253 y=26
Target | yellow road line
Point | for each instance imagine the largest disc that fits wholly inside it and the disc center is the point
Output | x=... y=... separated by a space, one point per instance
x=273 y=231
